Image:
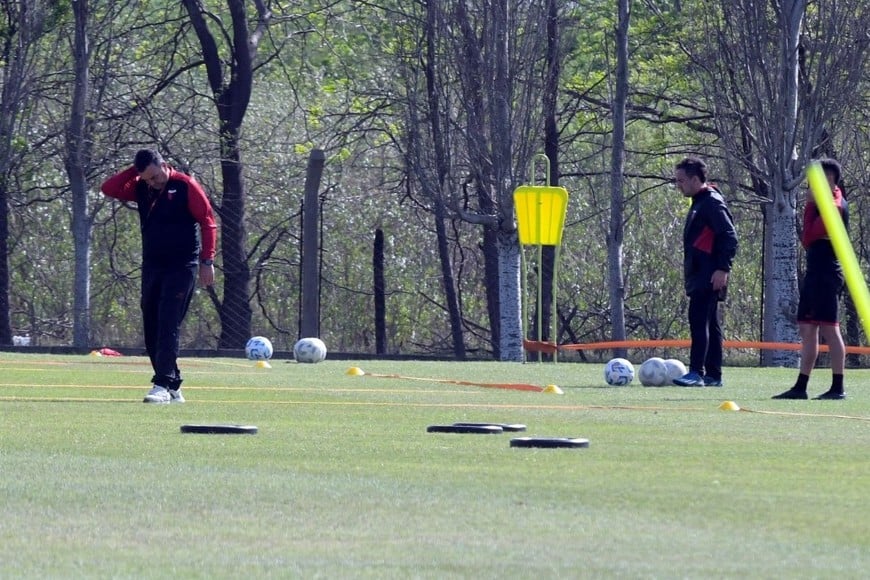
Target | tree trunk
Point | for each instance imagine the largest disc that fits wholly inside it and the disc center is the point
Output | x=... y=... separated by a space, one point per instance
x=23 y=27
x=232 y=94
x=442 y=169
x=379 y=287
x=781 y=287
x=510 y=293
x=481 y=168
x=853 y=330
x=309 y=324
x=76 y=163
x=617 y=182
x=551 y=150
x=235 y=311
x=489 y=248
x=450 y=296
x=5 y=318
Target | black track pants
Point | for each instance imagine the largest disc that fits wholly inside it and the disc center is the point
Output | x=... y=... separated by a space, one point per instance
x=166 y=295
x=705 y=356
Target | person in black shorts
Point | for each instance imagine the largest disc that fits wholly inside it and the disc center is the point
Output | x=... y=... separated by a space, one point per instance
x=820 y=295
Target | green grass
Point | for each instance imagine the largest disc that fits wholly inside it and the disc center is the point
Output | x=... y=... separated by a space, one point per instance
x=342 y=479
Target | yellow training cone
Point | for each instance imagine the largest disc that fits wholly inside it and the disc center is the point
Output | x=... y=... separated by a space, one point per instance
x=96 y=353
x=355 y=372
x=729 y=406
x=553 y=389
x=262 y=364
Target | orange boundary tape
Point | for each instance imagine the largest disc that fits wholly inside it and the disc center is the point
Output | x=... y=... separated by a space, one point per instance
x=509 y=386
x=550 y=348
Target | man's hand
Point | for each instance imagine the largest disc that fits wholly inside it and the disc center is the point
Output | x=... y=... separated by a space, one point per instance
x=206 y=275
x=719 y=279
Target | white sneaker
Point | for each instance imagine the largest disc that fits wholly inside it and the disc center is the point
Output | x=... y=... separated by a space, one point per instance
x=157 y=394
x=176 y=396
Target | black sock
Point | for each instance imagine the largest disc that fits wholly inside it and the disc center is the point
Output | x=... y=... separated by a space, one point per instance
x=837 y=384
x=801 y=383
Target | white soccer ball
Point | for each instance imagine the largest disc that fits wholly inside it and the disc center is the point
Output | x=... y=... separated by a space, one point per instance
x=258 y=348
x=676 y=369
x=618 y=372
x=309 y=350
x=653 y=372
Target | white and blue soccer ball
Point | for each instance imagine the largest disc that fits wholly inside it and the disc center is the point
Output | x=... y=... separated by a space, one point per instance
x=653 y=372
x=309 y=350
x=676 y=369
x=618 y=372
x=258 y=348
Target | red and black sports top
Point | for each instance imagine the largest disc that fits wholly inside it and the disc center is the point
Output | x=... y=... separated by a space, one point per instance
x=815 y=239
x=177 y=222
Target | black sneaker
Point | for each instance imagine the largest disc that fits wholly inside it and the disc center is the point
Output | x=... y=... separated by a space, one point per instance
x=792 y=393
x=830 y=395
x=690 y=379
x=711 y=382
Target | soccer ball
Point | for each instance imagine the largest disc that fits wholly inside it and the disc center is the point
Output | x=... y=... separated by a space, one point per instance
x=258 y=348
x=618 y=372
x=676 y=369
x=653 y=373
x=309 y=350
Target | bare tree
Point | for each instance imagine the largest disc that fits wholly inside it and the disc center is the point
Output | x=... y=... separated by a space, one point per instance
x=25 y=22
x=471 y=137
x=504 y=123
x=778 y=75
x=549 y=100
x=434 y=182
x=503 y=184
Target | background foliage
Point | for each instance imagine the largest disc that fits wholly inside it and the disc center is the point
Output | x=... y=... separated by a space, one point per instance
x=332 y=75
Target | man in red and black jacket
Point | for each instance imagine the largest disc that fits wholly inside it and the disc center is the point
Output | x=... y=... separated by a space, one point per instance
x=709 y=247
x=818 y=308
x=178 y=244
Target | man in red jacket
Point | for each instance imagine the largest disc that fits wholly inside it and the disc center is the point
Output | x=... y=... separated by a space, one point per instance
x=178 y=243
x=709 y=246
x=820 y=295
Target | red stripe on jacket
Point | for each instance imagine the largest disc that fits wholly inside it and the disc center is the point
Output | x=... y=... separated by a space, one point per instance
x=814 y=227
x=704 y=241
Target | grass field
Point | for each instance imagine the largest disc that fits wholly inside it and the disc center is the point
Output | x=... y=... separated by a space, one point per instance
x=343 y=480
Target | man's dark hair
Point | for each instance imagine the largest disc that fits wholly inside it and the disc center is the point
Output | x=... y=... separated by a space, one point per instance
x=693 y=166
x=833 y=167
x=146 y=157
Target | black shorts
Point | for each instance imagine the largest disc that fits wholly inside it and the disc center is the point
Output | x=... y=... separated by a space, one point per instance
x=820 y=299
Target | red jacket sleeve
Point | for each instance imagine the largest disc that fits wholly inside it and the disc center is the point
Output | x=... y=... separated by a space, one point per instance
x=122 y=185
x=200 y=209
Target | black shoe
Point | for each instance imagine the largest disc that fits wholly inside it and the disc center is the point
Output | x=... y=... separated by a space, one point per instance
x=690 y=379
x=830 y=395
x=711 y=382
x=792 y=393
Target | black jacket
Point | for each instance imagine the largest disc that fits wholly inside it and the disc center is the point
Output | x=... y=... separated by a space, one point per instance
x=709 y=240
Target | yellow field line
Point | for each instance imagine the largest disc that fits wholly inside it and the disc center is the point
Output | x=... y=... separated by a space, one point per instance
x=436 y=405
x=119 y=361
x=792 y=414
x=371 y=404
x=258 y=389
